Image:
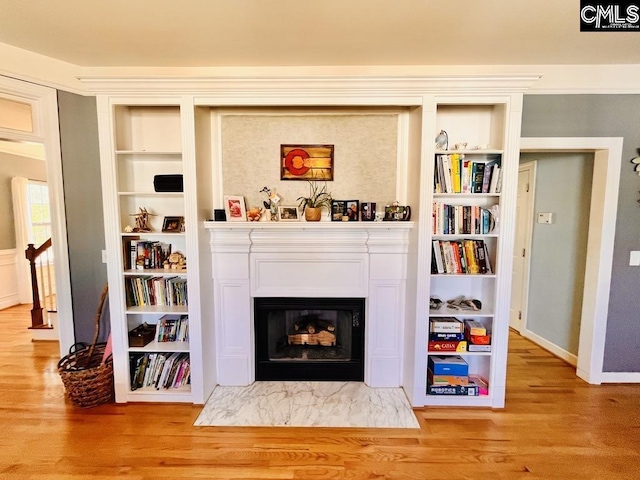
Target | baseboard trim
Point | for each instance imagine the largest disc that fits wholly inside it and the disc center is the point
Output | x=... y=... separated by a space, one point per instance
x=559 y=352
x=9 y=301
x=620 y=377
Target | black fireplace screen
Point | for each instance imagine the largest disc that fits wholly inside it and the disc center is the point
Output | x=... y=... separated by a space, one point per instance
x=309 y=339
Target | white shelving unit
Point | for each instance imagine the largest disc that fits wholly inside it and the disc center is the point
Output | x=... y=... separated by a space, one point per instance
x=179 y=132
x=492 y=124
x=141 y=138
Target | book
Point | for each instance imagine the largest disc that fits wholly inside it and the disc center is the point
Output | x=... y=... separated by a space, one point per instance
x=478 y=177
x=487 y=258
x=437 y=253
x=445 y=325
x=455 y=172
x=448 y=365
x=473 y=327
x=495 y=175
x=446 y=167
x=447 y=346
x=446 y=336
x=433 y=379
x=479 y=252
x=471 y=347
x=481 y=382
x=466 y=390
x=489 y=169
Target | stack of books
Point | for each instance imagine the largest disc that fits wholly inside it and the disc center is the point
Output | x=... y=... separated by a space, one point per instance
x=446 y=334
x=455 y=174
x=449 y=375
x=159 y=370
x=143 y=291
x=449 y=334
x=172 y=328
x=460 y=256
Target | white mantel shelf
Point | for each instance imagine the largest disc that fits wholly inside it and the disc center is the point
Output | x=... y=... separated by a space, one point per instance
x=310 y=225
x=315 y=259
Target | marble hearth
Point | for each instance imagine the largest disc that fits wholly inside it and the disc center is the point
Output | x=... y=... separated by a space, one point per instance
x=319 y=260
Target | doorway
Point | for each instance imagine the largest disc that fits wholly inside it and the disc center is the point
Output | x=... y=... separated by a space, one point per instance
x=607 y=154
x=555 y=241
x=38 y=108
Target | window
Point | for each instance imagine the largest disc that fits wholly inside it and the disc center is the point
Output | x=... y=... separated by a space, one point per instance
x=39 y=213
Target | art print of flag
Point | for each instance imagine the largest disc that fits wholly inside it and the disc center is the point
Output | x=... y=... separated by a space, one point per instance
x=306 y=162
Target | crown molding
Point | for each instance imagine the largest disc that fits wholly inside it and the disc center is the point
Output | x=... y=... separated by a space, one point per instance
x=308 y=86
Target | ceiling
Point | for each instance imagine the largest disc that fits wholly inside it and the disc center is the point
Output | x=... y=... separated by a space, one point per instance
x=212 y=33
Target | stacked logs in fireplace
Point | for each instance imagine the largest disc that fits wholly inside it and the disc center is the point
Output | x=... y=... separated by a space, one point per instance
x=309 y=338
x=313 y=331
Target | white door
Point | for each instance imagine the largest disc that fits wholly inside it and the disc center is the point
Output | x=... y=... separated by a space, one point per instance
x=524 y=223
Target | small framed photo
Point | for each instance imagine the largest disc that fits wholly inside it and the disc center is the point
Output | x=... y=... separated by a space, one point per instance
x=338 y=210
x=353 y=210
x=390 y=213
x=368 y=211
x=235 y=208
x=288 y=213
x=173 y=224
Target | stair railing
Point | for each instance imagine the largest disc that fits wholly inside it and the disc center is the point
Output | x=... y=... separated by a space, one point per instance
x=37 y=312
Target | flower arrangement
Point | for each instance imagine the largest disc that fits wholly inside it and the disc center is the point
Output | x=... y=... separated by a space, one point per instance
x=271 y=203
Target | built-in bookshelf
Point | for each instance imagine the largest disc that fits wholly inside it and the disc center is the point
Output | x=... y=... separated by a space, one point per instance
x=466 y=245
x=462 y=198
x=148 y=288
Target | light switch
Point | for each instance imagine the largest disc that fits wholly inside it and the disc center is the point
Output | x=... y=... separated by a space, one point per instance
x=104 y=256
x=634 y=258
x=545 y=217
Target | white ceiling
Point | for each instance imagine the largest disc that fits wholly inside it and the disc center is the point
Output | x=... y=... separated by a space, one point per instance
x=212 y=33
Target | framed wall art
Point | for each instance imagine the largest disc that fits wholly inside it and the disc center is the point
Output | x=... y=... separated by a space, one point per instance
x=306 y=162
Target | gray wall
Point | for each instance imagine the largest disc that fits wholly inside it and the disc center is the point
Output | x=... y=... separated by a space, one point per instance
x=15 y=166
x=83 y=208
x=605 y=116
x=558 y=250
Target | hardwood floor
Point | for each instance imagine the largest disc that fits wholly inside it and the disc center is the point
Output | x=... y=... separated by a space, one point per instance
x=554 y=426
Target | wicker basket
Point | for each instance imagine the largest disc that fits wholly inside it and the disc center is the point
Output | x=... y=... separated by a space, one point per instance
x=88 y=380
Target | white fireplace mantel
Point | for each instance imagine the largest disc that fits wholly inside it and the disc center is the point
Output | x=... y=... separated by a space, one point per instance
x=299 y=259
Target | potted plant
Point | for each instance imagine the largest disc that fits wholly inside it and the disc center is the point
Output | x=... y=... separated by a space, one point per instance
x=312 y=205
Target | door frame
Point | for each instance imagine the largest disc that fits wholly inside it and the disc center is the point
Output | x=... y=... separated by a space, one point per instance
x=531 y=166
x=607 y=153
x=44 y=108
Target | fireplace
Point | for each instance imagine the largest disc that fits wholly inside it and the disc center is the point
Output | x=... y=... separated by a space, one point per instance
x=254 y=262
x=309 y=338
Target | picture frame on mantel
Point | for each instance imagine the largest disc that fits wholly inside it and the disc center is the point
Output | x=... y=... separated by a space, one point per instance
x=306 y=162
x=235 y=208
x=288 y=213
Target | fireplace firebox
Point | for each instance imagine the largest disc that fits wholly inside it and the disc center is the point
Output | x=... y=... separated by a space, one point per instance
x=309 y=338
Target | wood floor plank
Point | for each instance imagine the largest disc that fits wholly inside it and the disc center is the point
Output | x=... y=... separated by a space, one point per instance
x=554 y=426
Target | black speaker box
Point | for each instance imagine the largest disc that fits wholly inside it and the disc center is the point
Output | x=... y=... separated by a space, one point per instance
x=219 y=215
x=168 y=183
